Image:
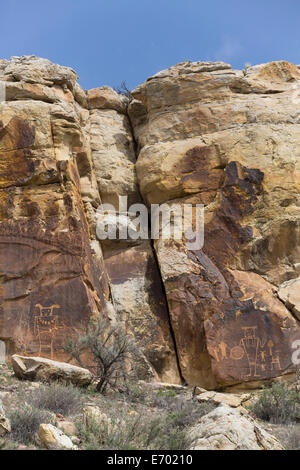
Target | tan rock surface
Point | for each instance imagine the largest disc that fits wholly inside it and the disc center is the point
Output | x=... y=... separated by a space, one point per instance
x=227 y=428
x=51 y=285
x=106 y=98
x=136 y=286
x=229 y=140
x=229 y=399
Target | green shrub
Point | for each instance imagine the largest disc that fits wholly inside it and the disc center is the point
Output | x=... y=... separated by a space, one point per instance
x=278 y=404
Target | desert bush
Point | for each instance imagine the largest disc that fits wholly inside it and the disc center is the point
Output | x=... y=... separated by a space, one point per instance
x=162 y=429
x=111 y=349
x=135 y=393
x=140 y=432
x=291 y=438
x=278 y=404
x=56 y=398
x=25 y=422
x=186 y=413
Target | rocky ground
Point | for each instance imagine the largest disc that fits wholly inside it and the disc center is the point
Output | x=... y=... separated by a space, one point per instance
x=36 y=415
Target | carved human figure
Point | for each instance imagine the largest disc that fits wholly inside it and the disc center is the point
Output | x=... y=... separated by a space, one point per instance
x=46 y=325
x=251 y=345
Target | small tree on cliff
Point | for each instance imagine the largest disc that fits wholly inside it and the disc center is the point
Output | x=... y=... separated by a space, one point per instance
x=111 y=349
x=124 y=90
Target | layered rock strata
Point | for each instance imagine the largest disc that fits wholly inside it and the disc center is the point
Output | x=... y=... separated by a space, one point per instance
x=197 y=133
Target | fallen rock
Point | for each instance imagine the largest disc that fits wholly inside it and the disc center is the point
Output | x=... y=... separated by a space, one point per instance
x=223 y=398
x=227 y=428
x=4 y=422
x=39 y=368
x=164 y=386
x=52 y=438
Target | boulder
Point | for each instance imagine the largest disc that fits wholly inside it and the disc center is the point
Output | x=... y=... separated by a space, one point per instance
x=4 y=422
x=94 y=414
x=46 y=370
x=52 y=438
x=227 y=428
x=32 y=69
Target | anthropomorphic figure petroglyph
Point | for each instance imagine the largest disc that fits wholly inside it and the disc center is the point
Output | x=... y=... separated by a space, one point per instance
x=46 y=325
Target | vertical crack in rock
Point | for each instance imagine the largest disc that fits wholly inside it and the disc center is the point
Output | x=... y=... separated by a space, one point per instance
x=169 y=316
x=135 y=283
x=157 y=264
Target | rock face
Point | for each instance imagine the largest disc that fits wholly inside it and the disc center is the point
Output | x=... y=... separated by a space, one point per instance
x=51 y=284
x=45 y=370
x=227 y=428
x=197 y=133
x=135 y=281
x=289 y=293
x=227 y=139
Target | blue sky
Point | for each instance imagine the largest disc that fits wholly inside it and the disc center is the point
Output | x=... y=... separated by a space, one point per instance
x=108 y=41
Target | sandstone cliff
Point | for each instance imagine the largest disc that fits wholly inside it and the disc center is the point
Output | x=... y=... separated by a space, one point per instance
x=198 y=133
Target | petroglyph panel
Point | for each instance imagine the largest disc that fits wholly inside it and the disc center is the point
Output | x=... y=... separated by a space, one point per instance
x=248 y=347
x=45 y=295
